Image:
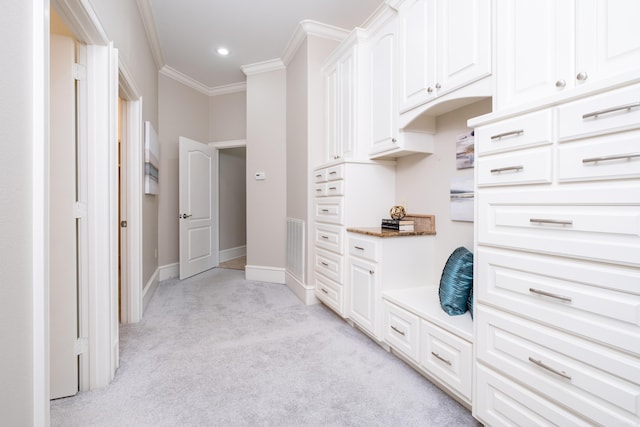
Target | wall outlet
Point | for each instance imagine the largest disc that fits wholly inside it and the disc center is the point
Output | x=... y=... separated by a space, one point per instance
x=260 y=176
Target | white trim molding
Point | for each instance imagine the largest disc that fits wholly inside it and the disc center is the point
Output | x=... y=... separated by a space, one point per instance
x=149 y=22
x=305 y=293
x=83 y=21
x=262 y=67
x=176 y=75
x=227 y=89
x=233 y=143
x=232 y=253
x=169 y=271
x=260 y=273
x=150 y=288
x=307 y=28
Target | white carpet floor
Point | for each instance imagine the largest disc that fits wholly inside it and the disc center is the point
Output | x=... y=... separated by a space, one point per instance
x=217 y=350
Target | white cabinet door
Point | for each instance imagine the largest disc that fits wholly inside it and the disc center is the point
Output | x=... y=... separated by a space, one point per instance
x=384 y=112
x=416 y=51
x=534 y=43
x=332 y=111
x=347 y=119
x=464 y=42
x=363 y=300
x=608 y=38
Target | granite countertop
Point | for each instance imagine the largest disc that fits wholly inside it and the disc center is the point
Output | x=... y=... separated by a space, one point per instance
x=383 y=232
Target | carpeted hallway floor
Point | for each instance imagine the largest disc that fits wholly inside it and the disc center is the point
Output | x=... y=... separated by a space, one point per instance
x=217 y=350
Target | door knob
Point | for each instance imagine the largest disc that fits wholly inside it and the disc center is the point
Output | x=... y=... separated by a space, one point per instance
x=184 y=216
x=123 y=224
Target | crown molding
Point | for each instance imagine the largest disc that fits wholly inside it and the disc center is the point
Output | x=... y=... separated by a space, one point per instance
x=227 y=89
x=82 y=20
x=262 y=67
x=126 y=81
x=307 y=28
x=176 y=75
x=149 y=22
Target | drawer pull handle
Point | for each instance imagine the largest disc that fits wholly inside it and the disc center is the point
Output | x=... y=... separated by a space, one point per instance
x=614 y=157
x=442 y=359
x=627 y=107
x=333 y=173
x=360 y=248
x=551 y=221
x=318 y=176
x=502 y=135
x=397 y=330
x=325 y=264
x=324 y=237
x=563 y=374
x=325 y=210
x=332 y=188
x=324 y=290
x=508 y=168
x=318 y=190
x=550 y=295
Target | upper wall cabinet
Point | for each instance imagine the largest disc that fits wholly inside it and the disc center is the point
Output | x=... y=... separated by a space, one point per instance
x=345 y=97
x=443 y=45
x=544 y=47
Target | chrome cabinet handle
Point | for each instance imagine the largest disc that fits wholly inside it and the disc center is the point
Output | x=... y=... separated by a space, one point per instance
x=442 y=359
x=430 y=89
x=551 y=221
x=397 y=330
x=324 y=237
x=510 y=133
x=614 y=157
x=324 y=263
x=438 y=86
x=582 y=76
x=561 y=83
x=508 y=168
x=627 y=107
x=325 y=210
x=550 y=295
x=537 y=362
x=332 y=188
x=324 y=290
x=334 y=172
x=360 y=248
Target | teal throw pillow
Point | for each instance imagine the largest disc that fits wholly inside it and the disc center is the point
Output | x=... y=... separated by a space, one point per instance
x=456 y=282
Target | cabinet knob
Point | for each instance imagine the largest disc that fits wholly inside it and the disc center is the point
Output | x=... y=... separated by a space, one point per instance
x=582 y=76
x=561 y=83
x=371 y=272
x=438 y=85
x=430 y=89
x=393 y=140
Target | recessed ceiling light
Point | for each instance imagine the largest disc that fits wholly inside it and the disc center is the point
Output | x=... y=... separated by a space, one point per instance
x=223 y=51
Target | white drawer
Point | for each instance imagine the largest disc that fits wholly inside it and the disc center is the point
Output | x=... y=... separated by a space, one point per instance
x=320 y=190
x=335 y=188
x=400 y=329
x=367 y=249
x=580 y=119
x=330 y=293
x=329 y=237
x=599 y=383
x=329 y=209
x=599 y=301
x=500 y=402
x=329 y=264
x=335 y=172
x=525 y=131
x=446 y=357
x=523 y=167
x=320 y=175
x=597 y=224
x=608 y=157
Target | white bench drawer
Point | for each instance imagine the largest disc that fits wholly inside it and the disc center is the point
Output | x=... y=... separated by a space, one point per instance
x=400 y=329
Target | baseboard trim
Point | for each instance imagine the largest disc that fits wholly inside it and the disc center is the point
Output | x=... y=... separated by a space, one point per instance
x=149 y=289
x=264 y=274
x=231 y=253
x=305 y=293
x=169 y=271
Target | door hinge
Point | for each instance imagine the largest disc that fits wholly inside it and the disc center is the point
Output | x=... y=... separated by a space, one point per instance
x=82 y=346
x=79 y=210
x=79 y=72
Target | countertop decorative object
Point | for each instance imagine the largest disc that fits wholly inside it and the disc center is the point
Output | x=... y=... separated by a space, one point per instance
x=425 y=225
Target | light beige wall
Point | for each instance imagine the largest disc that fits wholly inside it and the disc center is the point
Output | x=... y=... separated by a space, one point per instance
x=266 y=152
x=424 y=182
x=228 y=117
x=183 y=112
x=16 y=251
x=122 y=23
x=233 y=198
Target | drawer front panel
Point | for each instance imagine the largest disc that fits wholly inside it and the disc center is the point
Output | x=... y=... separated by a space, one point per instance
x=525 y=131
x=329 y=210
x=329 y=237
x=598 y=225
x=335 y=172
x=330 y=293
x=363 y=248
x=335 y=188
x=320 y=190
x=501 y=402
x=320 y=176
x=523 y=167
x=329 y=264
x=601 y=302
x=613 y=111
x=611 y=157
x=447 y=357
x=568 y=370
x=400 y=329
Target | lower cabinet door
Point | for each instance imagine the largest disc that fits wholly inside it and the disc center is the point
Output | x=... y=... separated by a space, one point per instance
x=447 y=357
x=363 y=295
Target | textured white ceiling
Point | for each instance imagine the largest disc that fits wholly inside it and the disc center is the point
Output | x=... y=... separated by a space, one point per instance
x=190 y=31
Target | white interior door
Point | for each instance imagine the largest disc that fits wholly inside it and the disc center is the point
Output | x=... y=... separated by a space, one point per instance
x=198 y=205
x=63 y=294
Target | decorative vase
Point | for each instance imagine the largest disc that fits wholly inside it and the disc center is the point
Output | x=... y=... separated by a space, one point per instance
x=397 y=212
